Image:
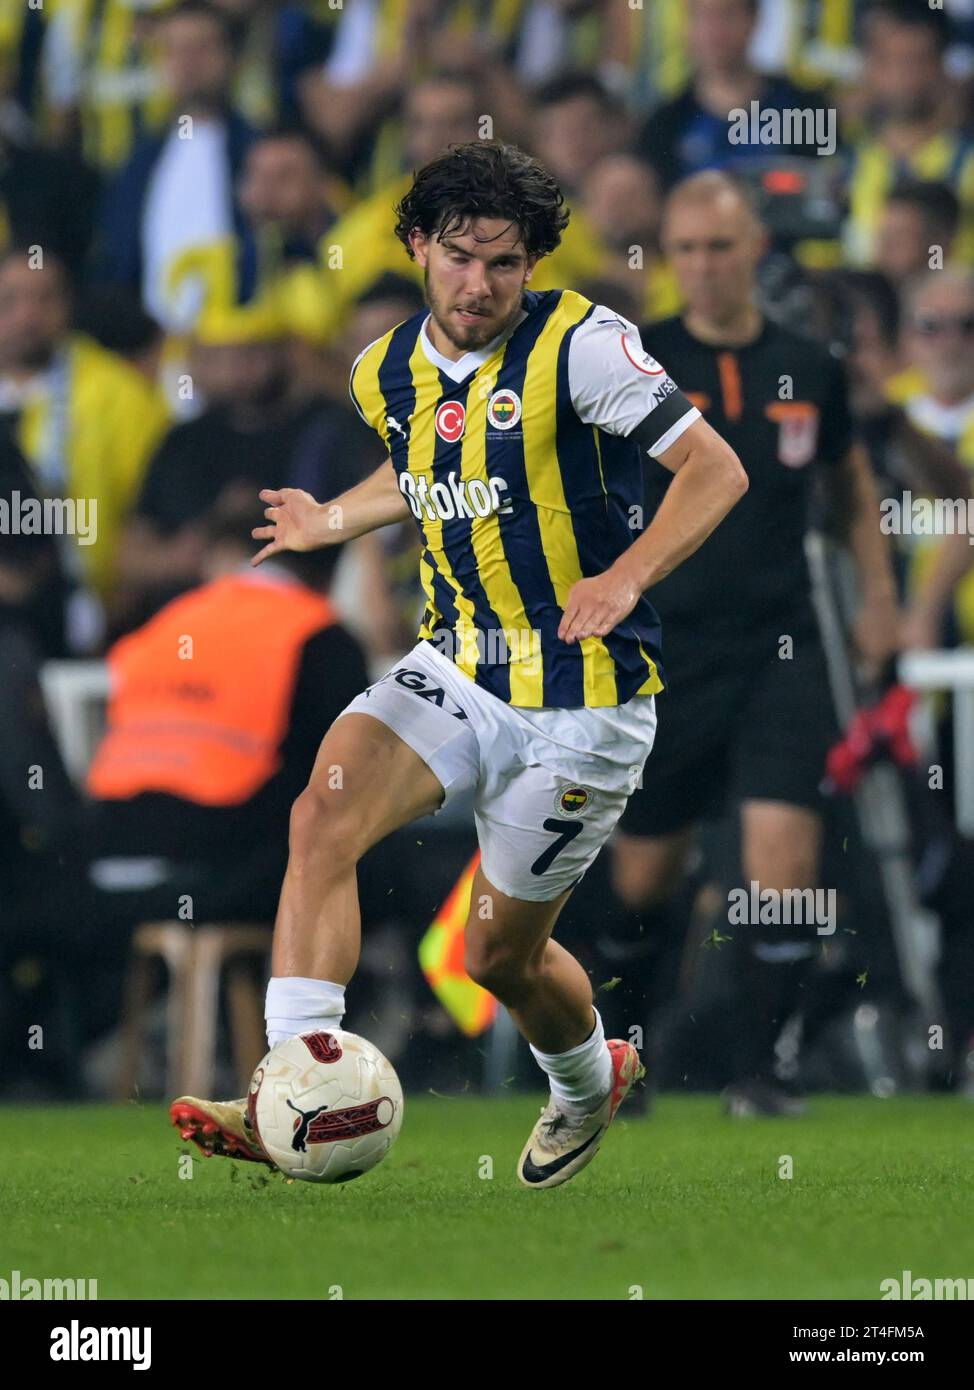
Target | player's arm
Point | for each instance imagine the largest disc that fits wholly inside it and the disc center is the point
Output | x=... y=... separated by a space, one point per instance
x=620 y=388
x=298 y=522
x=708 y=481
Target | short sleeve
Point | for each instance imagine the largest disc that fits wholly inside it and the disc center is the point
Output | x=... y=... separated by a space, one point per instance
x=616 y=385
x=365 y=392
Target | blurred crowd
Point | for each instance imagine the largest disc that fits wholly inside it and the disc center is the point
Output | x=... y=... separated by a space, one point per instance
x=196 y=240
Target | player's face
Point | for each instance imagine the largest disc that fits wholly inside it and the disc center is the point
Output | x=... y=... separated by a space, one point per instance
x=714 y=247
x=474 y=280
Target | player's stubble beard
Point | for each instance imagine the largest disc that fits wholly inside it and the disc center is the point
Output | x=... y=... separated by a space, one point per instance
x=476 y=335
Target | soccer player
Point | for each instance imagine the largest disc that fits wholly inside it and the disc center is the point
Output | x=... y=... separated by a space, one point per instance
x=748 y=706
x=515 y=422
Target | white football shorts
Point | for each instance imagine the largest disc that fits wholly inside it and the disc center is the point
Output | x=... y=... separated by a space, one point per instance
x=550 y=784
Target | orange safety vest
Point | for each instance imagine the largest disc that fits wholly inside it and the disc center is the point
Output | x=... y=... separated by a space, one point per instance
x=201 y=695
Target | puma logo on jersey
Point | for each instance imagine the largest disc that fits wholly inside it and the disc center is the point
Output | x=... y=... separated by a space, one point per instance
x=455 y=498
x=393 y=424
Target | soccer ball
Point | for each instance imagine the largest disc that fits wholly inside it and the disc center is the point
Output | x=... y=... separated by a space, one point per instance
x=327 y=1107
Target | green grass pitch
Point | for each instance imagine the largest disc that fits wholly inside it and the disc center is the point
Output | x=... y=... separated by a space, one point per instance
x=682 y=1204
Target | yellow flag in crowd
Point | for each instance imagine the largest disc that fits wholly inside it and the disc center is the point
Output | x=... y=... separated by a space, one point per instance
x=441 y=957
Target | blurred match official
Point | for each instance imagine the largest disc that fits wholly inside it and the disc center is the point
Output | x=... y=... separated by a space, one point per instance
x=748 y=707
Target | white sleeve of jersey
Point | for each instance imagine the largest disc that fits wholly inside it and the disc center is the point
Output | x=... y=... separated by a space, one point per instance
x=616 y=385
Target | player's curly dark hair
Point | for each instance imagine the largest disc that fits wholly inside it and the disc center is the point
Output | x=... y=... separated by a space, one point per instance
x=484 y=178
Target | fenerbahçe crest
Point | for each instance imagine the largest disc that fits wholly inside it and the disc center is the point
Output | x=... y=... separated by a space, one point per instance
x=504 y=409
x=572 y=801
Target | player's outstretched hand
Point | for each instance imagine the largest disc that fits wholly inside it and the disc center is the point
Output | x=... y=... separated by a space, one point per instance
x=596 y=605
x=295 y=522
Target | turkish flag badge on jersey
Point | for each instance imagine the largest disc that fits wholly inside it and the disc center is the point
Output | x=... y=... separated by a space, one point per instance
x=450 y=420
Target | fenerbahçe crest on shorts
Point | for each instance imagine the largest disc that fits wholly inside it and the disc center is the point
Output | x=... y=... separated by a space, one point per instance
x=516 y=499
x=572 y=801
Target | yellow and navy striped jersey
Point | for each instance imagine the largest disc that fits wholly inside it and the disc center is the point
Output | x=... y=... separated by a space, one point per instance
x=522 y=466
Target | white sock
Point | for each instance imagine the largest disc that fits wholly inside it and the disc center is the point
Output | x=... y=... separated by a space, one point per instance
x=295 y=1004
x=581 y=1078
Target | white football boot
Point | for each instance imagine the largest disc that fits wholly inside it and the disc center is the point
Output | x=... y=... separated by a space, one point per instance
x=562 y=1143
x=221 y=1128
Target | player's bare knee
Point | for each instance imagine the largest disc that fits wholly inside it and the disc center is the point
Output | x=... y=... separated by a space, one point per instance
x=479 y=964
x=323 y=829
x=497 y=969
